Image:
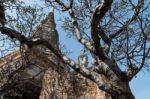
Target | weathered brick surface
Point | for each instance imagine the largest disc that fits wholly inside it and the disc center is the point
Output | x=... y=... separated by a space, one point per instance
x=57 y=85
x=69 y=86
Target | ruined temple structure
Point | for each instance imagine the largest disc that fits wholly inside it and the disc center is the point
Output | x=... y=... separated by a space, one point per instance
x=38 y=74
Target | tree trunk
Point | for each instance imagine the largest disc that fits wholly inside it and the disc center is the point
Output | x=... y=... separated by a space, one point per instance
x=126 y=94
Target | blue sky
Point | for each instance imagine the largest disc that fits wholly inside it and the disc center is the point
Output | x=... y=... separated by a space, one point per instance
x=140 y=86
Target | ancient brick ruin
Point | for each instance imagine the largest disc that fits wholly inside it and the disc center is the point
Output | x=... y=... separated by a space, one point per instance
x=40 y=73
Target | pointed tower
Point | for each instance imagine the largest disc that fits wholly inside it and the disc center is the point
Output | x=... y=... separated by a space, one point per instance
x=47 y=30
x=38 y=54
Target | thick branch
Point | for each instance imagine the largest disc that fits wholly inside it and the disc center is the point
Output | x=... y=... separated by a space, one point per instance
x=98 y=14
x=79 y=36
x=106 y=39
x=13 y=34
x=2 y=13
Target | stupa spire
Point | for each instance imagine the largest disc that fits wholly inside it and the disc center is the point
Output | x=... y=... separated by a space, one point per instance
x=47 y=29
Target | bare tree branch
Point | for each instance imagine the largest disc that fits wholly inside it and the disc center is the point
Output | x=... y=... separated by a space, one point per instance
x=107 y=40
x=88 y=5
x=2 y=13
x=79 y=37
x=136 y=12
x=144 y=55
x=98 y=14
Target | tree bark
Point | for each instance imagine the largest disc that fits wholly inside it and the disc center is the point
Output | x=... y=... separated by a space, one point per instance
x=127 y=94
